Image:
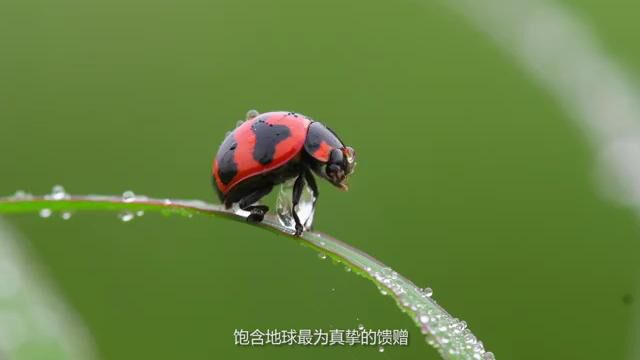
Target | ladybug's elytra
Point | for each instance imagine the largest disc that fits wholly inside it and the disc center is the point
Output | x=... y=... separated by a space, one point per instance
x=271 y=148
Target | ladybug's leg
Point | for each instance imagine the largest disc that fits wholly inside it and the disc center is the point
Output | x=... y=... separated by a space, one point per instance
x=311 y=181
x=298 y=186
x=257 y=211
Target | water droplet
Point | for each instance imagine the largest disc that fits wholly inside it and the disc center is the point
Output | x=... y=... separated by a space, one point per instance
x=470 y=338
x=305 y=208
x=431 y=340
x=322 y=256
x=57 y=193
x=66 y=215
x=128 y=196
x=45 y=213
x=140 y=213
x=333 y=289
x=126 y=216
x=21 y=195
x=427 y=292
x=383 y=291
x=424 y=319
x=252 y=113
x=347 y=268
x=360 y=327
x=488 y=356
x=389 y=274
x=380 y=349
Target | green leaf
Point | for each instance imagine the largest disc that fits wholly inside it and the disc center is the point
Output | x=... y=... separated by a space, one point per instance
x=448 y=335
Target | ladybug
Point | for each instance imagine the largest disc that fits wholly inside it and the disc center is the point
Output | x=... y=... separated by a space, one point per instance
x=271 y=148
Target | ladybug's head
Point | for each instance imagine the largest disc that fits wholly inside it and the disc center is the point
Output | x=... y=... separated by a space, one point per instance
x=341 y=164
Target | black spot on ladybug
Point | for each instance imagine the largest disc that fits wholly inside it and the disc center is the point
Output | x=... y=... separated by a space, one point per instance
x=227 y=167
x=267 y=137
x=317 y=134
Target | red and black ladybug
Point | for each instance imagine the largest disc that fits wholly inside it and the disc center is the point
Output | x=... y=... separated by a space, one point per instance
x=271 y=148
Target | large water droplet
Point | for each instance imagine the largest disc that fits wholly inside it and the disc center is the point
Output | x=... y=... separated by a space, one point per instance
x=126 y=216
x=45 y=213
x=322 y=256
x=128 y=196
x=66 y=215
x=380 y=349
x=305 y=208
x=58 y=193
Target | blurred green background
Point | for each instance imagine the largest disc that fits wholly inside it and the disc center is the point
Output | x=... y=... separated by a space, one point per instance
x=471 y=179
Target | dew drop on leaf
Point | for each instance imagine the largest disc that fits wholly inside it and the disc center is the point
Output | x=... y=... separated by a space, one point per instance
x=57 y=193
x=128 y=196
x=126 y=216
x=428 y=292
x=21 y=195
x=45 y=213
x=488 y=356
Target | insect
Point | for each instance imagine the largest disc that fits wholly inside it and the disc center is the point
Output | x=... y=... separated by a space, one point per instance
x=271 y=148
